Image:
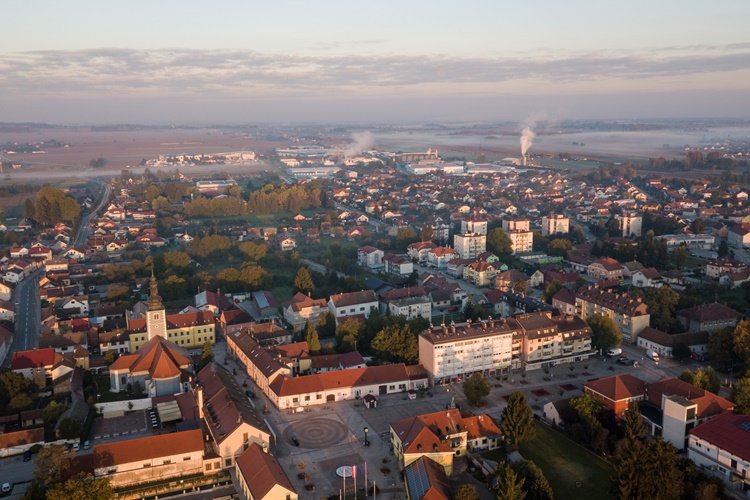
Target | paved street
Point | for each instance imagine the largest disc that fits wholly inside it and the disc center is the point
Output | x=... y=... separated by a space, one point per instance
x=84 y=229
x=28 y=313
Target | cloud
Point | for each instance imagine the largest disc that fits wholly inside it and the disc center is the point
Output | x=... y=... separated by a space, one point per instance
x=118 y=71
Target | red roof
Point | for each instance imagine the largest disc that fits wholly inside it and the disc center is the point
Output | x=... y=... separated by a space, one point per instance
x=618 y=388
x=727 y=431
x=37 y=358
x=141 y=449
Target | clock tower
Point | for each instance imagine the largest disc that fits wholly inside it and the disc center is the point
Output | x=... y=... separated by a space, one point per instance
x=156 y=317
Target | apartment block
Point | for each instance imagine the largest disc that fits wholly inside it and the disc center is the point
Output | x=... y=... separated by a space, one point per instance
x=630 y=315
x=630 y=223
x=555 y=224
x=521 y=241
x=469 y=246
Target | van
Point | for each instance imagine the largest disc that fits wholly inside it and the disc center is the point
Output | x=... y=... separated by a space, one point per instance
x=653 y=355
x=6 y=488
x=614 y=352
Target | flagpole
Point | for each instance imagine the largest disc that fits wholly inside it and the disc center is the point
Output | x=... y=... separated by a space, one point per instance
x=344 y=474
x=374 y=489
x=366 y=480
x=354 y=475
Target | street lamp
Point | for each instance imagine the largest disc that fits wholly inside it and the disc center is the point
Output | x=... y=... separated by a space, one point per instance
x=367 y=443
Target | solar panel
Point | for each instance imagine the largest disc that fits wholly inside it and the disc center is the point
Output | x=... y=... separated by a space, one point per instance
x=745 y=426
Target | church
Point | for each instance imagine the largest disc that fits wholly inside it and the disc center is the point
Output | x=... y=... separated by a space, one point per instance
x=159 y=366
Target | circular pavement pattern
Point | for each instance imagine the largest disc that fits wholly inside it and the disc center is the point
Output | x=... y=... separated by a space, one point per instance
x=316 y=433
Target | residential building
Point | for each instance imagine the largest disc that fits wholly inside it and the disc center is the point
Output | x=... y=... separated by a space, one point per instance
x=549 y=340
x=301 y=308
x=553 y=224
x=149 y=459
x=565 y=301
x=261 y=477
x=451 y=353
x=630 y=315
x=516 y=224
x=719 y=267
x=663 y=343
x=425 y=479
x=690 y=241
x=708 y=317
x=419 y=250
x=441 y=436
x=738 y=236
x=439 y=257
x=480 y=273
x=232 y=423
x=646 y=277
x=474 y=226
x=411 y=302
x=507 y=280
x=352 y=304
x=521 y=241
x=723 y=444
x=397 y=265
x=37 y=364
x=631 y=224
x=370 y=257
x=469 y=246
x=605 y=268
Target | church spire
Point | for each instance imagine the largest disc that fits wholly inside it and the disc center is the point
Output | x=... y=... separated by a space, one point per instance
x=154 y=300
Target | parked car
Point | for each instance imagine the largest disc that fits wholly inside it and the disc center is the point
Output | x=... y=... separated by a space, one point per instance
x=653 y=355
x=76 y=447
x=614 y=352
x=27 y=455
x=6 y=488
x=86 y=445
x=295 y=440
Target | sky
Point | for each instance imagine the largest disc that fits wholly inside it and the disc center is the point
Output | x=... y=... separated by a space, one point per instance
x=234 y=62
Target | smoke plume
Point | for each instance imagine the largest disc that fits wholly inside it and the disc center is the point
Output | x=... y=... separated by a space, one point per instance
x=362 y=142
x=527 y=139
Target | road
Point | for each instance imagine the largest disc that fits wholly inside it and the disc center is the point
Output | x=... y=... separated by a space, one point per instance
x=475 y=292
x=28 y=314
x=84 y=228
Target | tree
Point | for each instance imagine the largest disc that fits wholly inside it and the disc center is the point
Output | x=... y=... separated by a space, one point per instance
x=311 y=337
x=559 y=247
x=476 y=388
x=662 y=303
x=681 y=351
x=53 y=466
x=426 y=233
x=721 y=346
x=69 y=428
x=586 y=407
x=396 y=343
x=605 y=334
x=466 y=492
x=254 y=252
x=303 y=282
x=679 y=256
x=52 y=412
x=347 y=334
x=499 y=242
x=207 y=354
x=117 y=291
x=109 y=357
x=697 y=226
x=647 y=470
x=516 y=422
x=520 y=286
x=741 y=396
x=551 y=290
x=741 y=340
x=509 y=485
x=405 y=236
x=632 y=422
x=28 y=209
x=535 y=484
x=706 y=379
x=176 y=259
x=580 y=282
x=82 y=486
x=723 y=251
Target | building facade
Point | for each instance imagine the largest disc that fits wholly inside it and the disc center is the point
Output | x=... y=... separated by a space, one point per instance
x=553 y=224
x=469 y=246
x=630 y=315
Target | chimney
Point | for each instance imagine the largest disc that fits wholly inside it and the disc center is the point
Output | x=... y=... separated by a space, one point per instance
x=199 y=396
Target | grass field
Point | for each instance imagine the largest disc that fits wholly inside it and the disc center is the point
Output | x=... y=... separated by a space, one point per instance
x=565 y=463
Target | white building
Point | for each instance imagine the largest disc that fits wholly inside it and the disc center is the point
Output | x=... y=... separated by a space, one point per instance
x=555 y=224
x=352 y=304
x=469 y=246
x=738 y=237
x=370 y=257
x=474 y=226
x=630 y=223
x=449 y=353
x=521 y=241
x=723 y=444
x=516 y=224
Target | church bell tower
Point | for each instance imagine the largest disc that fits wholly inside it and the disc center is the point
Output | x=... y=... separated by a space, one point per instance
x=156 y=317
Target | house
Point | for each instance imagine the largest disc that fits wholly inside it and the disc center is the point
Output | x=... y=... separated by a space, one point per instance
x=708 y=317
x=232 y=423
x=6 y=341
x=615 y=393
x=301 y=308
x=16 y=443
x=370 y=257
x=35 y=363
x=738 y=236
x=261 y=477
x=441 y=436
x=212 y=301
x=723 y=444
x=646 y=277
x=7 y=311
x=420 y=250
x=426 y=480
x=148 y=459
x=605 y=268
x=397 y=265
x=507 y=280
x=558 y=412
x=287 y=244
x=352 y=304
x=439 y=257
x=565 y=301
x=663 y=343
x=719 y=267
x=410 y=302
x=480 y=273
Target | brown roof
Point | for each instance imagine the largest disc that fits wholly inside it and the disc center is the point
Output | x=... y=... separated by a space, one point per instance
x=616 y=302
x=618 y=387
x=262 y=472
x=670 y=340
x=147 y=448
x=353 y=298
x=426 y=480
x=301 y=301
x=728 y=432
x=319 y=382
x=708 y=403
x=709 y=312
x=20 y=438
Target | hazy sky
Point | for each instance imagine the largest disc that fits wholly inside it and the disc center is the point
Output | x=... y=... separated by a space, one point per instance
x=217 y=61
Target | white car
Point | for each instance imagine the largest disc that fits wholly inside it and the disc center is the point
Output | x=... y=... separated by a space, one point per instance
x=6 y=488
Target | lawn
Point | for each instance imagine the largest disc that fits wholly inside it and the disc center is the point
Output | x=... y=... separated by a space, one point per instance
x=564 y=463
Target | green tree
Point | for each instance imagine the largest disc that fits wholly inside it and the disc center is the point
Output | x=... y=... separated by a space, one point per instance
x=303 y=282
x=499 y=241
x=551 y=290
x=20 y=402
x=559 y=247
x=679 y=256
x=69 y=428
x=405 y=236
x=426 y=233
x=176 y=259
x=520 y=286
x=721 y=346
x=741 y=340
x=117 y=291
x=347 y=334
x=28 y=209
x=662 y=303
x=109 y=357
x=312 y=339
x=517 y=421
x=466 y=492
x=253 y=251
x=697 y=226
x=605 y=334
x=53 y=466
x=723 y=249
x=681 y=351
x=509 y=485
x=632 y=422
x=476 y=388
x=207 y=354
x=586 y=407
x=535 y=484
x=396 y=343
x=84 y=486
x=52 y=412
x=741 y=396
x=580 y=282
x=706 y=379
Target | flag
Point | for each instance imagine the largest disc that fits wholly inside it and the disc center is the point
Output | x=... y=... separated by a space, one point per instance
x=354 y=471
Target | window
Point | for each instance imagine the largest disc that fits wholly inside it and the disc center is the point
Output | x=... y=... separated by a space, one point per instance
x=146 y=466
x=228 y=462
x=208 y=466
x=245 y=438
x=167 y=462
x=307 y=398
x=318 y=396
x=186 y=459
